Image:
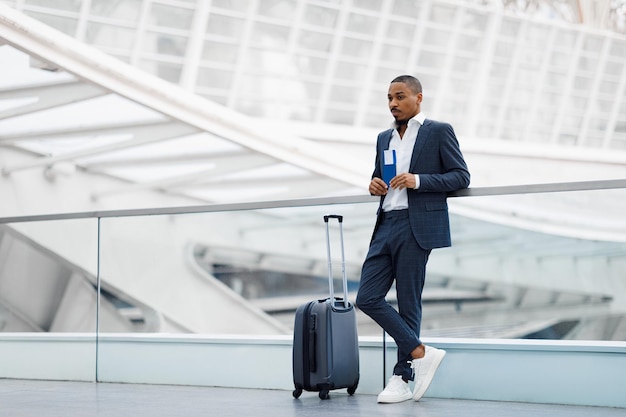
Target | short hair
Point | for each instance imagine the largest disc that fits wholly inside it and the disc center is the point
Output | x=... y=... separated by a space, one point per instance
x=413 y=83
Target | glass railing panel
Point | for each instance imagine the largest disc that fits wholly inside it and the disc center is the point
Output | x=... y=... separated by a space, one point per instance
x=545 y=265
x=227 y=272
x=48 y=276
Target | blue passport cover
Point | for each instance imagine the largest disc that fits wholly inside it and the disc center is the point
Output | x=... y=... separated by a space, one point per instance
x=389 y=165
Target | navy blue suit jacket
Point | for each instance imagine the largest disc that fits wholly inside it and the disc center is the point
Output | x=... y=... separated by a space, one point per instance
x=439 y=162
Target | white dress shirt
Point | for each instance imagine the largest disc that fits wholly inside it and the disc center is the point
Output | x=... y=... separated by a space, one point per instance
x=398 y=199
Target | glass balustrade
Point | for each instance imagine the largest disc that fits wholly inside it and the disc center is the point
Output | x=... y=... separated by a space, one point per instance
x=538 y=265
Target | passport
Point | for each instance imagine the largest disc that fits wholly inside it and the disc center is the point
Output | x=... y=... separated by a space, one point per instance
x=389 y=165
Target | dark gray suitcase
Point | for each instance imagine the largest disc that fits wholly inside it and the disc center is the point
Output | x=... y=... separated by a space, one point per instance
x=325 y=340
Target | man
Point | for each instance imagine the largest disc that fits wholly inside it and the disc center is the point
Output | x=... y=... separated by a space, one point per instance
x=412 y=220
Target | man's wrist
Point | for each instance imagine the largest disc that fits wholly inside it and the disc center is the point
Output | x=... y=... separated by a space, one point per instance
x=417 y=181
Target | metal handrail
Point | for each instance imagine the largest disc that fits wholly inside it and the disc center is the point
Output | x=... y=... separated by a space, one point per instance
x=305 y=202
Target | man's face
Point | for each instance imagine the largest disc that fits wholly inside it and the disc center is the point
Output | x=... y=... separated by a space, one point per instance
x=403 y=103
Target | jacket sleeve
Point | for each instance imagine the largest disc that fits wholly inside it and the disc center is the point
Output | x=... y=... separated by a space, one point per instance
x=450 y=173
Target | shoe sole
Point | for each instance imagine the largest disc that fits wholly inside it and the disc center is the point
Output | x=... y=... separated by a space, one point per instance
x=430 y=375
x=396 y=400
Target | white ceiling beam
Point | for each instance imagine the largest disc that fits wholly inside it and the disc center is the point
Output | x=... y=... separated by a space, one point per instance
x=137 y=129
x=171 y=158
x=299 y=186
x=164 y=132
x=220 y=165
x=48 y=96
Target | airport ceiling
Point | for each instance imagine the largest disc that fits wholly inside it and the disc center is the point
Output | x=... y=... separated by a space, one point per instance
x=72 y=124
x=69 y=124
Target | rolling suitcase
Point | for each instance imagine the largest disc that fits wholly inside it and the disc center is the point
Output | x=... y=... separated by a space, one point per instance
x=325 y=341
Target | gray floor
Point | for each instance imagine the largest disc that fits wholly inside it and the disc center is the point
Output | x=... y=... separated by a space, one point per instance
x=19 y=398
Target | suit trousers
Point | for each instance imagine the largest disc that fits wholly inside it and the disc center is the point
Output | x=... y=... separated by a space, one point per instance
x=394 y=255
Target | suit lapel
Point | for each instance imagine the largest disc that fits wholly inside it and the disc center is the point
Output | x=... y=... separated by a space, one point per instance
x=387 y=139
x=383 y=144
x=422 y=136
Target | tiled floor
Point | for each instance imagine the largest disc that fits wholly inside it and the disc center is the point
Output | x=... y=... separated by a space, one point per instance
x=20 y=398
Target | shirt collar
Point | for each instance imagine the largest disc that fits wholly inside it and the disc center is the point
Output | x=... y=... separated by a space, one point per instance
x=418 y=118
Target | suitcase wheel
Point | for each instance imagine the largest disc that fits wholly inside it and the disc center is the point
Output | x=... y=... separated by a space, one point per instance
x=297 y=392
x=352 y=389
x=324 y=394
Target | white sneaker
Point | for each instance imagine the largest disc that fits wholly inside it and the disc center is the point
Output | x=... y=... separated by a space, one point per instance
x=396 y=391
x=425 y=369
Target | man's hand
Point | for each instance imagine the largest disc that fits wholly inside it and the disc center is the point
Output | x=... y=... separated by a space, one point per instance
x=406 y=180
x=378 y=187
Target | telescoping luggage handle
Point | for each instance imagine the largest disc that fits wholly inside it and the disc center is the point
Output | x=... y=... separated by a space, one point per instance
x=343 y=260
